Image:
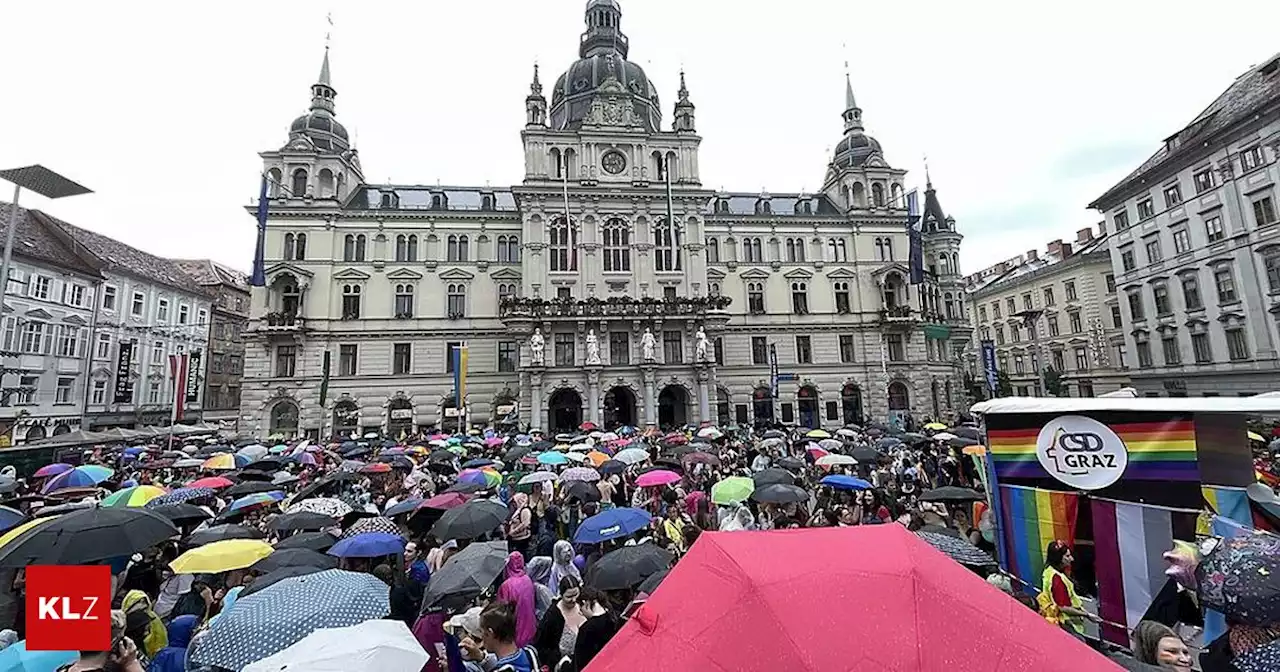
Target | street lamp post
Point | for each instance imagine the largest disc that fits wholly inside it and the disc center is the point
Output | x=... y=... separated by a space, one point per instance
x=41 y=180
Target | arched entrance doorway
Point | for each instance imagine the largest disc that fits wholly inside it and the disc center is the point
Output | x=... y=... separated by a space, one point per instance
x=807 y=404
x=565 y=410
x=346 y=417
x=899 y=402
x=284 y=419
x=762 y=406
x=59 y=430
x=36 y=433
x=619 y=407
x=724 y=407
x=673 y=407
x=399 y=417
x=851 y=403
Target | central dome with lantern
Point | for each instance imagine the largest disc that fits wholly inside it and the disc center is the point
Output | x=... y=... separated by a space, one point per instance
x=603 y=63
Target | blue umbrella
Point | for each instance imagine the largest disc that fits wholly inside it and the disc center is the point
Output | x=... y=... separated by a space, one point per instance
x=278 y=616
x=256 y=499
x=10 y=517
x=179 y=496
x=16 y=658
x=552 y=458
x=402 y=507
x=612 y=524
x=843 y=482
x=368 y=545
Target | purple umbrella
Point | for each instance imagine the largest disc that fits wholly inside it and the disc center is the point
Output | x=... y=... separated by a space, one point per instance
x=53 y=469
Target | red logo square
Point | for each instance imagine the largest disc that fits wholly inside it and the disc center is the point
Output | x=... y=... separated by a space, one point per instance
x=68 y=608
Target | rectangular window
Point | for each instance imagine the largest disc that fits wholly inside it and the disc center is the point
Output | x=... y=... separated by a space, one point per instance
x=1191 y=292
x=153 y=392
x=1086 y=388
x=842 y=298
x=103 y=349
x=717 y=346
x=1059 y=361
x=1203 y=180
x=1237 y=345
x=672 y=347
x=1111 y=283
x=1160 y=293
x=1013 y=306
x=896 y=348
x=286 y=361
x=16 y=282
x=804 y=350
x=157 y=352
x=1048 y=296
x=1213 y=229
x=1073 y=319
x=995 y=309
x=1136 y=311
x=203 y=317
x=508 y=356
x=1026 y=302
x=402 y=358
x=982 y=313
x=788 y=412
x=1127 y=260
x=1070 y=288
x=759 y=350
x=217 y=364
x=162 y=310
x=755 y=298
x=1225 y=281
x=1201 y=348
x=564 y=350
x=63 y=393
x=450 y=347
x=833 y=411
x=69 y=341
x=799 y=298
x=1116 y=320
x=1145 y=209
x=1251 y=158
x=1082 y=359
x=32 y=338
x=347 y=360
x=139 y=304
x=40 y=287
x=184 y=313
x=1144 y=354
x=846 y=348
x=1122 y=220
x=28 y=389
x=1018 y=364
x=75 y=295
x=1153 y=251
x=1169 y=346
x=1172 y=195
x=740 y=414
x=1271 y=268
x=98 y=393
x=1122 y=356
x=999 y=334
x=1053 y=324
x=109 y=298
x=237 y=364
x=619 y=348
x=1264 y=211
x=1181 y=241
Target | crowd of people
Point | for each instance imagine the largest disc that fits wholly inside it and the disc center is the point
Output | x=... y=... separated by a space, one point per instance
x=496 y=550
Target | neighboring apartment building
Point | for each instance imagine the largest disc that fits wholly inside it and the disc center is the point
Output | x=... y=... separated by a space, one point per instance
x=150 y=304
x=47 y=315
x=224 y=365
x=1196 y=248
x=1056 y=310
x=388 y=279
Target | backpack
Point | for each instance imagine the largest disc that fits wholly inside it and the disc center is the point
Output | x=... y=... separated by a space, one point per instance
x=529 y=652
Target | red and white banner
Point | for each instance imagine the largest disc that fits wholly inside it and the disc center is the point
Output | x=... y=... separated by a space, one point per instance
x=178 y=374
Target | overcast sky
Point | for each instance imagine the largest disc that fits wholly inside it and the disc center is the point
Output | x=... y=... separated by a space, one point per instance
x=1026 y=110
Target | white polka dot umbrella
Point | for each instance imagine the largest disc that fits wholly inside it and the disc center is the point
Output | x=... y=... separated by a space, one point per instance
x=280 y=615
x=334 y=508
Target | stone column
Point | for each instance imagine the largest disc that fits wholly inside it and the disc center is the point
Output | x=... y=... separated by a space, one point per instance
x=593 y=393
x=648 y=373
x=704 y=398
x=535 y=398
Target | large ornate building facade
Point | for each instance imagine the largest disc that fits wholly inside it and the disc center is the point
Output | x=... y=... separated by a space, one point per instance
x=610 y=285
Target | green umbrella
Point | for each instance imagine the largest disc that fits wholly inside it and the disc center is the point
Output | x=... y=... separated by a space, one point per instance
x=733 y=490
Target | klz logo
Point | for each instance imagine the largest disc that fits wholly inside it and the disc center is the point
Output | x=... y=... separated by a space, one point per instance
x=68 y=608
x=1081 y=452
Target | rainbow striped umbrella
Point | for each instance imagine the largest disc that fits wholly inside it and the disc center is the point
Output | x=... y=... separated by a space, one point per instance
x=53 y=469
x=221 y=462
x=80 y=477
x=136 y=496
x=255 y=500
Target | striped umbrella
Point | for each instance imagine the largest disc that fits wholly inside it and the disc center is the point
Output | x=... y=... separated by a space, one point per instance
x=52 y=469
x=138 y=495
x=80 y=477
x=221 y=462
x=255 y=500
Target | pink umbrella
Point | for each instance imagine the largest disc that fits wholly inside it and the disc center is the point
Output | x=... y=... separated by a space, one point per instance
x=494 y=441
x=52 y=469
x=657 y=477
x=817 y=452
x=308 y=459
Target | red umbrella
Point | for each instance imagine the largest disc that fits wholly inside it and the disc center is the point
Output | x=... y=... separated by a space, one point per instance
x=873 y=597
x=214 y=482
x=448 y=500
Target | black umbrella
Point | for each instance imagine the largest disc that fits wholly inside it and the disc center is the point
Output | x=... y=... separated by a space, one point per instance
x=886 y=443
x=628 y=566
x=778 y=493
x=221 y=533
x=773 y=476
x=467 y=574
x=267 y=464
x=790 y=462
x=251 y=488
x=279 y=575
x=955 y=548
x=951 y=493
x=88 y=536
x=962 y=442
x=582 y=491
x=913 y=438
x=865 y=454
x=775 y=434
x=181 y=513
x=651 y=584
x=470 y=520
x=294 y=557
x=302 y=520
x=514 y=454
x=315 y=541
x=611 y=467
x=966 y=432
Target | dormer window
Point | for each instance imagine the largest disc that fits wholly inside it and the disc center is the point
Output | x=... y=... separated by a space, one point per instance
x=722 y=205
x=486 y=202
x=764 y=207
x=439 y=202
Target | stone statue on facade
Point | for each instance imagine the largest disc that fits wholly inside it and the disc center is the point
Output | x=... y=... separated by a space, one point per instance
x=701 y=346
x=593 y=348
x=648 y=345
x=537 y=348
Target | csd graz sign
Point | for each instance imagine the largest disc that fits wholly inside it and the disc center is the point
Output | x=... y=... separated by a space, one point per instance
x=1081 y=452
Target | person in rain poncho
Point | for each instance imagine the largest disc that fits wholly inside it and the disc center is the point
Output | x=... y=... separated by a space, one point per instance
x=562 y=566
x=519 y=591
x=539 y=569
x=150 y=632
x=741 y=519
x=173 y=658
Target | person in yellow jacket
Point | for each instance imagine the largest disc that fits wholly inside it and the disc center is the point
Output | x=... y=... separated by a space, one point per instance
x=144 y=626
x=1058 y=601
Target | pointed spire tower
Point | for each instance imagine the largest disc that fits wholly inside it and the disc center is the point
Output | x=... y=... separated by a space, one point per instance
x=318 y=126
x=856 y=147
x=535 y=105
x=683 y=119
x=852 y=113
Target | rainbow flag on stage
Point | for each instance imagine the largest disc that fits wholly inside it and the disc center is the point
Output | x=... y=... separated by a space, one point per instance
x=1129 y=544
x=1033 y=518
x=1158 y=451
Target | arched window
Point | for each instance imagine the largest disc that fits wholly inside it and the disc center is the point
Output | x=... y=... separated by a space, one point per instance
x=764 y=207
x=895 y=192
x=880 y=255
x=284 y=419
x=486 y=202
x=722 y=205
x=888 y=249
x=404 y=307
x=713 y=251
x=899 y=397
x=506 y=291
x=799 y=298
x=351 y=302
x=457 y=300
x=859 y=195
x=412 y=248
x=557 y=168
x=617 y=245
x=502 y=250
x=402 y=247
x=275 y=182
x=713 y=289
x=877 y=194
x=949 y=307
x=299 y=187
x=563 y=245
x=755 y=298
x=838 y=250
x=457 y=248
x=513 y=249
x=659 y=170
x=360 y=247
x=349 y=247
x=290 y=296
x=752 y=250
x=673 y=167
x=848 y=197
x=290 y=246
x=300 y=247
x=326 y=183
x=570 y=162
x=666 y=240
x=795 y=250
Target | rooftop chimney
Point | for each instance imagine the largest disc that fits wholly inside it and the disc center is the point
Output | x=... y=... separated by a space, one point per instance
x=1084 y=236
x=1055 y=247
x=1032 y=255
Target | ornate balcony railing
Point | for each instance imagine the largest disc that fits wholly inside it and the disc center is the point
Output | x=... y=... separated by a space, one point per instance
x=517 y=308
x=281 y=322
x=898 y=314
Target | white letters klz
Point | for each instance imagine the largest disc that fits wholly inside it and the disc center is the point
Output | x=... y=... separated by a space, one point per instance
x=59 y=609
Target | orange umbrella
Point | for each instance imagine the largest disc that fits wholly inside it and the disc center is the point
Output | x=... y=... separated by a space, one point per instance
x=597 y=458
